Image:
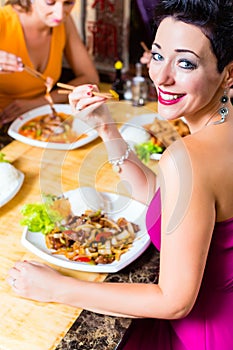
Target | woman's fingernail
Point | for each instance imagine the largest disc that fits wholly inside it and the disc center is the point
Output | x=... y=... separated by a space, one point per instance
x=89 y=93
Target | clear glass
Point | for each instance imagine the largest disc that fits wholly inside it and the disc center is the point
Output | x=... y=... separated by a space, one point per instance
x=139 y=91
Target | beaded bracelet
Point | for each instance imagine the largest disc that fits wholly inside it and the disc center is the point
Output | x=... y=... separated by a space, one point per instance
x=116 y=164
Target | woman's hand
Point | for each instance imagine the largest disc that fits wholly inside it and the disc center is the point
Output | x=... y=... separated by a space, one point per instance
x=18 y=107
x=88 y=107
x=10 y=63
x=34 y=280
x=146 y=58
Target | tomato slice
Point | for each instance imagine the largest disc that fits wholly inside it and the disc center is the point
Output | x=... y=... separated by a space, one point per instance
x=82 y=258
x=68 y=232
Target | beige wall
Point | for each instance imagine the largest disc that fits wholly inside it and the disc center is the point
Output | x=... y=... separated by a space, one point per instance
x=76 y=13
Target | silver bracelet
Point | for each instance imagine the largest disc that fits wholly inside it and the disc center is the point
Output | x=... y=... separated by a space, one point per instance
x=116 y=164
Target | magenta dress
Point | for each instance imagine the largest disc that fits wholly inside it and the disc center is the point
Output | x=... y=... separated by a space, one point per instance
x=209 y=325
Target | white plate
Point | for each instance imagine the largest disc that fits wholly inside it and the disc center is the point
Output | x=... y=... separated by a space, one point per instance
x=79 y=126
x=13 y=191
x=134 y=132
x=115 y=206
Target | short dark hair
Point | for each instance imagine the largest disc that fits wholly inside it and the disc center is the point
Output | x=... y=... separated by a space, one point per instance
x=213 y=17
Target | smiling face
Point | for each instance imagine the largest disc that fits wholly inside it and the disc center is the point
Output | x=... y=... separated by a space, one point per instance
x=53 y=12
x=184 y=71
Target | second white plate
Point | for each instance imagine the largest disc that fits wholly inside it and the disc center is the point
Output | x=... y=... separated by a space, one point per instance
x=134 y=132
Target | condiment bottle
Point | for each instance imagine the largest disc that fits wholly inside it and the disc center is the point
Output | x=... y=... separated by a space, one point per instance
x=128 y=90
x=139 y=87
x=118 y=83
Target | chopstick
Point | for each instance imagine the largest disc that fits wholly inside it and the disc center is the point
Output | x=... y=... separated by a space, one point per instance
x=63 y=92
x=34 y=72
x=145 y=48
x=68 y=88
x=37 y=74
x=101 y=94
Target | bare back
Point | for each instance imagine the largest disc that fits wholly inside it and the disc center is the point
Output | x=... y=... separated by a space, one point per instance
x=213 y=145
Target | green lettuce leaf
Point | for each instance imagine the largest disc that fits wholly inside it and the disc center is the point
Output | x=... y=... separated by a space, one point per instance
x=2 y=158
x=145 y=149
x=39 y=217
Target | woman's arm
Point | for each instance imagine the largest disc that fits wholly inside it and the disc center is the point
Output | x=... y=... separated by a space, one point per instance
x=185 y=244
x=141 y=181
x=188 y=216
x=77 y=56
x=78 y=59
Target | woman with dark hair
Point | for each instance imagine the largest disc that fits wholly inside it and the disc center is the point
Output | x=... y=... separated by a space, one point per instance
x=191 y=306
x=38 y=33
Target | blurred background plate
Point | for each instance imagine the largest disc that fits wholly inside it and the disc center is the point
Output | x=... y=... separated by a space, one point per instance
x=79 y=126
x=134 y=132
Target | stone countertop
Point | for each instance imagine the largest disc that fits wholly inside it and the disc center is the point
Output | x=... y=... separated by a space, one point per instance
x=93 y=331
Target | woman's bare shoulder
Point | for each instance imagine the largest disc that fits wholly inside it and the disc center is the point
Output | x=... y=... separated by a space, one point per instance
x=70 y=25
x=205 y=158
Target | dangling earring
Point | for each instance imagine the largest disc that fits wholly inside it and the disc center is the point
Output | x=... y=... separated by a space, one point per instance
x=223 y=111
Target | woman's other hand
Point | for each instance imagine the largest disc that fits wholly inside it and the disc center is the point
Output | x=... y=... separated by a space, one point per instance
x=146 y=58
x=34 y=280
x=18 y=107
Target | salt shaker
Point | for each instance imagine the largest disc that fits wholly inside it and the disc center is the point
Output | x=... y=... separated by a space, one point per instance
x=128 y=90
x=139 y=87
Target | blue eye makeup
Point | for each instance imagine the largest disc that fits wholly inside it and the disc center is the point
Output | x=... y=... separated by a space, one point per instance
x=187 y=64
x=156 y=56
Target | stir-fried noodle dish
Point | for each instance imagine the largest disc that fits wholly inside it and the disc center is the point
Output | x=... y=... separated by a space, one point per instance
x=91 y=237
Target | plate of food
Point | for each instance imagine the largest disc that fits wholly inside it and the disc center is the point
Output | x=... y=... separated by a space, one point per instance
x=150 y=134
x=11 y=180
x=86 y=230
x=60 y=130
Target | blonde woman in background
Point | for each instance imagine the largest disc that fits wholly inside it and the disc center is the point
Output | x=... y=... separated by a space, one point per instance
x=38 y=33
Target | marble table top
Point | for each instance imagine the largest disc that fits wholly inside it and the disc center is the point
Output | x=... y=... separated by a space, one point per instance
x=93 y=331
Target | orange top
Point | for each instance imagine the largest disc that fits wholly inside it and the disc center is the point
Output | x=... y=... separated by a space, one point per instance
x=22 y=84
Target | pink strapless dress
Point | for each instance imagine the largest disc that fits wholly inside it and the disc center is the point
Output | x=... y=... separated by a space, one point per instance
x=209 y=326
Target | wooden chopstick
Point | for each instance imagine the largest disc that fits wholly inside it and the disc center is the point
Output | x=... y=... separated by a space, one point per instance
x=143 y=45
x=68 y=88
x=63 y=92
x=34 y=72
x=101 y=94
